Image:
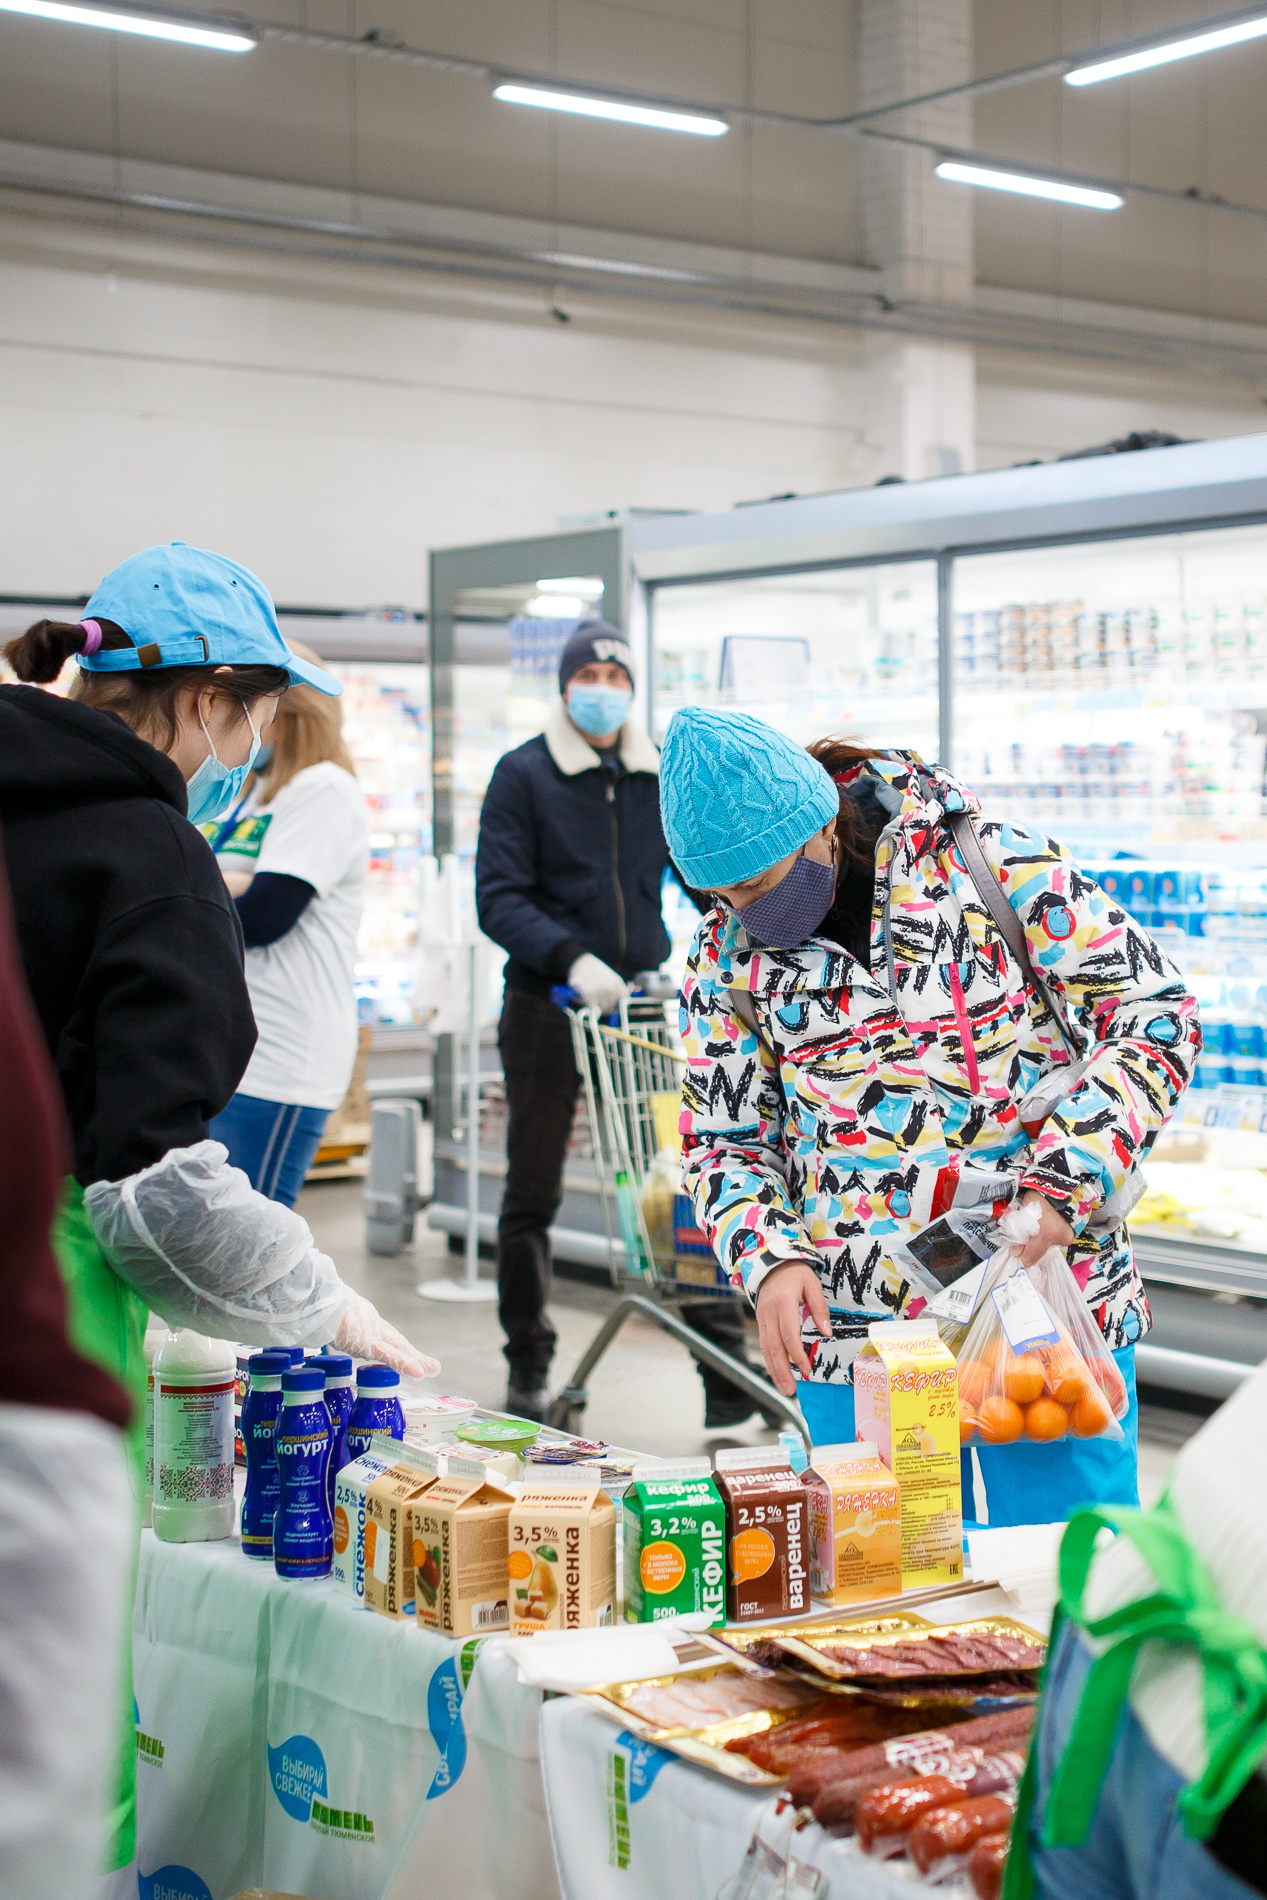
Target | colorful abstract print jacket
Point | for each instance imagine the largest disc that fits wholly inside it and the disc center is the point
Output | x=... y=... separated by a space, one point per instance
x=841 y=1132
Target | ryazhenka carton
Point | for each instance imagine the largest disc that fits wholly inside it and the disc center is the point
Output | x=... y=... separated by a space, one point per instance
x=855 y=1524
x=562 y=1555
x=674 y=1526
x=389 y=1531
x=351 y=1488
x=906 y=1403
x=767 y=1547
x=459 y=1552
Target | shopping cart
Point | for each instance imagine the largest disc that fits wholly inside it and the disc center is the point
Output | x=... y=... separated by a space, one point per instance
x=631 y=1078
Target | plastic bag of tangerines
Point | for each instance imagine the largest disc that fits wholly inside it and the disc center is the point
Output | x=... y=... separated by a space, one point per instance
x=1033 y=1364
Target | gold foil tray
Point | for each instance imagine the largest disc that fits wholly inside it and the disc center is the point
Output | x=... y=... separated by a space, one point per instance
x=704 y=1745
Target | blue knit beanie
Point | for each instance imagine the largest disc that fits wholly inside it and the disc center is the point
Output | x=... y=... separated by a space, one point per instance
x=736 y=796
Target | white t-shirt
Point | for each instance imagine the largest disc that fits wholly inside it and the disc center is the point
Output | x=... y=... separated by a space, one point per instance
x=302 y=985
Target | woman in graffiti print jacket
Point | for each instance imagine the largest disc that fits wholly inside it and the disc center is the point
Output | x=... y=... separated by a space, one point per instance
x=897 y=1037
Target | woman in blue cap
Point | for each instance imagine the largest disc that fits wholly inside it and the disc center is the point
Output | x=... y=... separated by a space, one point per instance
x=133 y=952
x=884 y=982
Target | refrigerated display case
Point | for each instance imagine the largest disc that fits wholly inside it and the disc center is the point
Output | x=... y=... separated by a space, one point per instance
x=1085 y=642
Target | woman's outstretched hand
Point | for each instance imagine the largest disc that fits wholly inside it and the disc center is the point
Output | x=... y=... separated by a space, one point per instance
x=1053 y=1230
x=782 y=1294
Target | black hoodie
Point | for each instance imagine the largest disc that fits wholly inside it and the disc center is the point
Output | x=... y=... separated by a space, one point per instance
x=131 y=944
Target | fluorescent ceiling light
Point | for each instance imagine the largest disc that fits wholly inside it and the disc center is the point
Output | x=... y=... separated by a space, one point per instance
x=556 y=606
x=658 y=117
x=589 y=586
x=151 y=26
x=1169 y=50
x=1029 y=187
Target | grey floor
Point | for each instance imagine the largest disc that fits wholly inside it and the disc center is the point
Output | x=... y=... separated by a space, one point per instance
x=645 y=1394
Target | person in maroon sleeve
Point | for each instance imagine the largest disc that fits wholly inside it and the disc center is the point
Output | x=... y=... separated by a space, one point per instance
x=64 y=1498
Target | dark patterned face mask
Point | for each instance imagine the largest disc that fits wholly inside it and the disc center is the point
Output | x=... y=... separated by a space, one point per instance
x=794 y=909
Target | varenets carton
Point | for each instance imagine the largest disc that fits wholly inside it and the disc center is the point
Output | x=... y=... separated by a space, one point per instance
x=459 y=1553
x=675 y=1542
x=855 y=1524
x=906 y=1403
x=389 y=1531
x=562 y=1559
x=767 y=1512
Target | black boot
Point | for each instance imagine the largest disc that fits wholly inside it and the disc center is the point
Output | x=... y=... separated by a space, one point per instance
x=527 y=1397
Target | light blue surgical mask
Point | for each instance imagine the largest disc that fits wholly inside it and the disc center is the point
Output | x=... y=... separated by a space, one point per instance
x=214 y=786
x=599 y=709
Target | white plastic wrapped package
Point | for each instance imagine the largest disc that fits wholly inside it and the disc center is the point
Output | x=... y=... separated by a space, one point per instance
x=204 y=1249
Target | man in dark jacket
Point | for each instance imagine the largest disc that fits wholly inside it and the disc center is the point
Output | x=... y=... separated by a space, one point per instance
x=568 y=873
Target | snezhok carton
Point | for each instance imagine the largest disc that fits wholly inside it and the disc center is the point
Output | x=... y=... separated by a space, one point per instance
x=562 y=1561
x=675 y=1542
x=351 y=1489
x=906 y=1403
x=389 y=1531
x=767 y=1543
x=459 y=1553
x=855 y=1525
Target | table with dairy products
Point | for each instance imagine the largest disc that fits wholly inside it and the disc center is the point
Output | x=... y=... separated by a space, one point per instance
x=361 y=1734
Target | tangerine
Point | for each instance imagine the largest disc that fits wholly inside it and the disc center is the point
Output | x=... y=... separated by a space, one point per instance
x=1111 y=1382
x=974 y=1381
x=967 y=1425
x=1000 y=1420
x=1067 y=1376
x=1091 y=1415
x=1045 y=1420
x=1023 y=1378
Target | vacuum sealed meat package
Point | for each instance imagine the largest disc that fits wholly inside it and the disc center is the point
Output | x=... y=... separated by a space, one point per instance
x=1033 y=1364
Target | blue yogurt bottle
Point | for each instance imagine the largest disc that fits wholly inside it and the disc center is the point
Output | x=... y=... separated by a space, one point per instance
x=337 y=1367
x=260 y=1407
x=303 y=1530
x=377 y=1408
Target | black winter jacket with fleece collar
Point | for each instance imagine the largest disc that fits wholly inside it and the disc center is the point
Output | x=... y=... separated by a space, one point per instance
x=571 y=856
x=131 y=944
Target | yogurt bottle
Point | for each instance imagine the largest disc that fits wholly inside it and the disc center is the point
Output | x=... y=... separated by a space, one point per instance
x=260 y=1409
x=377 y=1408
x=337 y=1367
x=194 y=1380
x=303 y=1531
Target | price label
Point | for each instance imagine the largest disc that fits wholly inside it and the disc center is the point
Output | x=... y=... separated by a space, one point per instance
x=1023 y=1313
x=959 y=1302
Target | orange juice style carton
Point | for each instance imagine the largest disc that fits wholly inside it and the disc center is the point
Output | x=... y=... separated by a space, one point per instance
x=562 y=1553
x=855 y=1525
x=767 y=1545
x=459 y=1538
x=906 y=1403
x=389 y=1532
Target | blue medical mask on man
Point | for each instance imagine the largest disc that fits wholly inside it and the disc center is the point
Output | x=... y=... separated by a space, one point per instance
x=598 y=710
x=214 y=786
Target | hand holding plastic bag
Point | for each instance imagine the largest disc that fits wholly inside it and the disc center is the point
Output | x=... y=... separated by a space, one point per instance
x=203 y=1249
x=1034 y=1365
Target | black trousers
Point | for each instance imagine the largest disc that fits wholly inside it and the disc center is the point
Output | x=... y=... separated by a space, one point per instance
x=542 y=1085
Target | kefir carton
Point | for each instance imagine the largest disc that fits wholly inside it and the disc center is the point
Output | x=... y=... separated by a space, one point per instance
x=675 y=1542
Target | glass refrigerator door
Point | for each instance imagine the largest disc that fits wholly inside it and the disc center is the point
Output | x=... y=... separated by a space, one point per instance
x=387 y=728
x=851 y=652
x=1114 y=696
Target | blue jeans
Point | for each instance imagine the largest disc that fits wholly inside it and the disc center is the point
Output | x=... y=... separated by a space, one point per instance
x=1137 y=1849
x=272 y=1142
x=1025 y=1484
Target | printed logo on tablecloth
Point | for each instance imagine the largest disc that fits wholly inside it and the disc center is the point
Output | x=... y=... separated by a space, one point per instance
x=172 y=1883
x=297 y=1773
x=445 y=1690
x=628 y=1782
x=148 y=1747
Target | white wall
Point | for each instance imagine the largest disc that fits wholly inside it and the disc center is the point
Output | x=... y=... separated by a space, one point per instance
x=327 y=424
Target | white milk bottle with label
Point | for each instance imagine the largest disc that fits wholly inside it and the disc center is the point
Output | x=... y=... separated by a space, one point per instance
x=194 y=1378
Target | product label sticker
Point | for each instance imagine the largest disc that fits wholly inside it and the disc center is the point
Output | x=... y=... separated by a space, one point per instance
x=1024 y=1315
x=959 y=1302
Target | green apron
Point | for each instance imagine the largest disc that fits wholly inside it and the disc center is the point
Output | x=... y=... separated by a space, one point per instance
x=1183 y=1612
x=106 y=1323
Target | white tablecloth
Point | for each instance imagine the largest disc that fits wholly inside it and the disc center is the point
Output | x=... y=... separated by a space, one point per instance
x=286 y=1739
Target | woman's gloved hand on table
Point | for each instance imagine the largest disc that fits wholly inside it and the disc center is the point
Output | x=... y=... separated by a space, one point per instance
x=364 y=1333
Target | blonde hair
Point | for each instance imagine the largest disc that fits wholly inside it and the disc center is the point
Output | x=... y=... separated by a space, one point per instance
x=308 y=730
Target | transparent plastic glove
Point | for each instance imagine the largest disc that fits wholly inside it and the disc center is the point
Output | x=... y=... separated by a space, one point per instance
x=597 y=984
x=203 y=1249
x=367 y=1335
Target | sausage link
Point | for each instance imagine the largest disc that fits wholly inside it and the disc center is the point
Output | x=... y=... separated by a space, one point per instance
x=886 y=1814
x=941 y=1843
x=986 y=1866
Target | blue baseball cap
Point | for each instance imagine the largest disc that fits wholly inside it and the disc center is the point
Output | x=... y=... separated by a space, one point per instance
x=185 y=606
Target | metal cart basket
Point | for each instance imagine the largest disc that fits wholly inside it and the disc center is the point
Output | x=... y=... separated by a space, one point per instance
x=631 y=1076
